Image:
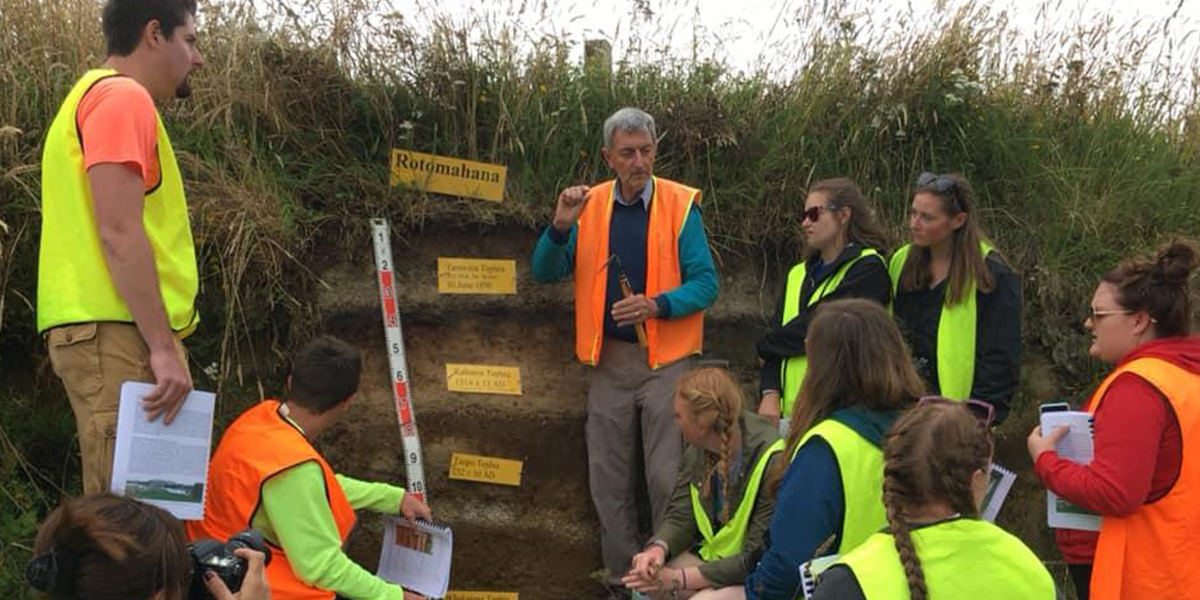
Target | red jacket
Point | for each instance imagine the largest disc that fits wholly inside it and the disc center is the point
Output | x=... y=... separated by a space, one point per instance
x=1135 y=430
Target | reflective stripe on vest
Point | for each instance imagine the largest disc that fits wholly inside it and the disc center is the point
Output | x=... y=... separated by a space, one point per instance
x=1152 y=552
x=74 y=285
x=791 y=371
x=728 y=541
x=257 y=446
x=669 y=339
x=963 y=558
x=861 y=466
x=955 y=335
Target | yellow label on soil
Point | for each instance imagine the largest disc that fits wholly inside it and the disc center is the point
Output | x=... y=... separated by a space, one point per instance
x=483 y=379
x=486 y=469
x=448 y=175
x=453 y=595
x=476 y=276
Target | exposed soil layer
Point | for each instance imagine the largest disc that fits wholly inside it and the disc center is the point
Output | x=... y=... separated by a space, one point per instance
x=540 y=539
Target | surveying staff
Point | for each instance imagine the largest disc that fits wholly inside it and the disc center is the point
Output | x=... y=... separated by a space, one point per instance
x=1145 y=470
x=651 y=229
x=266 y=474
x=936 y=462
x=828 y=498
x=957 y=302
x=843 y=259
x=720 y=509
x=117 y=274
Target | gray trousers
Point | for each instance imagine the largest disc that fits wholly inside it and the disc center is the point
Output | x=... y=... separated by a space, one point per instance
x=625 y=397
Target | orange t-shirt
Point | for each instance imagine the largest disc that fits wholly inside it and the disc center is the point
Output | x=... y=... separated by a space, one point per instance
x=118 y=124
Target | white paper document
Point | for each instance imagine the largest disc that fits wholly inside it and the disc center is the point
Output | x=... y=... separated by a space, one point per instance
x=1000 y=481
x=1076 y=446
x=163 y=465
x=417 y=558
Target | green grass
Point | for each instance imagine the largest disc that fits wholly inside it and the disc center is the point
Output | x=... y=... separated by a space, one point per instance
x=1080 y=158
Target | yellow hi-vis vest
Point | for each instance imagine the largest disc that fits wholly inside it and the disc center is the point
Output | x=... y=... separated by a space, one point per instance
x=74 y=284
x=860 y=464
x=728 y=541
x=956 y=332
x=963 y=558
x=792 y=370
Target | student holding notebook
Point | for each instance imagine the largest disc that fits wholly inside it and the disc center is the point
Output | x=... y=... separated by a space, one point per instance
x=1145 y=472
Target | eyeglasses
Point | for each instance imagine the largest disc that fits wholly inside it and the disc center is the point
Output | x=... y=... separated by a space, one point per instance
x=1096 y=314
x=982 y=410
x=813 y=213
x=942 y=184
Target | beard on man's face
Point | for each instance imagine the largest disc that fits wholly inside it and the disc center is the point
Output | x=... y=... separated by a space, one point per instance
x=184 y=89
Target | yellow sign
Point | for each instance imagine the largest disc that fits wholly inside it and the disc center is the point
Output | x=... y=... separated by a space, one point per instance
x=486 y=469
x=476 y=276
x=483 y=379
x=448 y=175
x=453 y=595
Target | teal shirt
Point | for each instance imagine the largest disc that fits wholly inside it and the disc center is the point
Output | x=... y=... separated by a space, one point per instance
x=295 y=515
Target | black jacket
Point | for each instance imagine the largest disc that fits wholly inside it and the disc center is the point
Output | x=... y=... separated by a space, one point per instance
x=997 y=335
x=867 y=278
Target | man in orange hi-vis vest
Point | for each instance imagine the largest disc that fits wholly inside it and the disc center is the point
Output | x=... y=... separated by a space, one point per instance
x=643 y=275
x=266 y=474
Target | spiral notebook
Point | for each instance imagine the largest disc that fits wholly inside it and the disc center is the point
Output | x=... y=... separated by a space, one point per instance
x=417 y=557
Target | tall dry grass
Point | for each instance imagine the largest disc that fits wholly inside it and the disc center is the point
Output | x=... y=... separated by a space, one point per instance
x=1082 y=142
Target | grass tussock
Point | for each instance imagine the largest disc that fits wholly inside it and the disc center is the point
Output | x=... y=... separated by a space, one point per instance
x=1083 y=144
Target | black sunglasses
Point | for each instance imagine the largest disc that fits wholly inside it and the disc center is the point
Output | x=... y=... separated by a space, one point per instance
x=982 y=410
x=942 y=184
x=813 y=213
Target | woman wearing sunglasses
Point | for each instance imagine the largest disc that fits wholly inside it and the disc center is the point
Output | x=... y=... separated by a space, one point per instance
x=842 y=259
x=828 y=495
x=936 y=463
x=1144 y=478
x=957 y=302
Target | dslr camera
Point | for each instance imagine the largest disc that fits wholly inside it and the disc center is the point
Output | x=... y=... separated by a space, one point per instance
x=217 y=557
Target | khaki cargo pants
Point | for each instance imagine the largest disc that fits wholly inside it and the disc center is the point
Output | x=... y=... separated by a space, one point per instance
x=93 y=360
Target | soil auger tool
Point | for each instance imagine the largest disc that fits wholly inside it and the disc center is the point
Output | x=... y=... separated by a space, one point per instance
x=626 y=292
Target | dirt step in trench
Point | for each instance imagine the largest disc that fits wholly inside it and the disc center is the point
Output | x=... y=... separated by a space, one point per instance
x=541 y=538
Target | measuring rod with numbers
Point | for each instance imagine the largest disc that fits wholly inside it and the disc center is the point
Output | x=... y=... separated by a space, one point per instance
x=414 y=465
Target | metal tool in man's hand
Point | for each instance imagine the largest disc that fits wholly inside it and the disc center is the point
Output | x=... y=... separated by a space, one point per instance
x=627 y=292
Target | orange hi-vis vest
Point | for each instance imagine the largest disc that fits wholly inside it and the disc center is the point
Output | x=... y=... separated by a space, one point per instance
x=257 y=446
x=668 y=339
x=1153 y=552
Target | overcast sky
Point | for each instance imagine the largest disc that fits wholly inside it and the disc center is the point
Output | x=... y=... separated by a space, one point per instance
x=749 y=31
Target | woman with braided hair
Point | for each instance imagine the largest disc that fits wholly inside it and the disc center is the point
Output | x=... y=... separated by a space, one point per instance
x=1144 y=478
x=936 y=463
x=717 y=515
x=859 y=378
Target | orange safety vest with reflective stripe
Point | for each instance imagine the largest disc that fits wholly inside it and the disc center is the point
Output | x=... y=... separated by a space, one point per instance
x=257 y=446
x=668 y=339
x=1153 y=552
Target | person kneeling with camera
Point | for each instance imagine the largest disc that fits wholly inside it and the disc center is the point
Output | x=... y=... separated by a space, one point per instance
x=105 y=547
x=267 y=475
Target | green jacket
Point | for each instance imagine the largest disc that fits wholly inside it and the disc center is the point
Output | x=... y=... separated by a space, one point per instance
x=679 y=529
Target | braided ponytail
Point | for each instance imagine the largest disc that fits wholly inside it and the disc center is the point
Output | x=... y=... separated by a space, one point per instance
x=892 y=500
x=930 y=456
x=715 y=400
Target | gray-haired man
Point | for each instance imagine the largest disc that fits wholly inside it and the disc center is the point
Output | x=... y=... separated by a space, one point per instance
x=648 y=231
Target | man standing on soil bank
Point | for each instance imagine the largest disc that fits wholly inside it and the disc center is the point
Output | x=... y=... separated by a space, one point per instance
x=117 y=276
x=648 y=230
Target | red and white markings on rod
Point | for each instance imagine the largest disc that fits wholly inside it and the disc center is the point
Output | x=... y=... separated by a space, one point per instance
x=414 y=465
